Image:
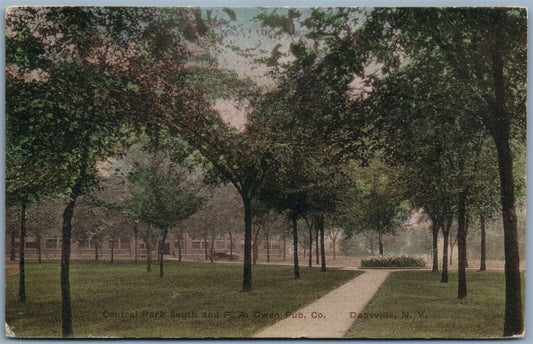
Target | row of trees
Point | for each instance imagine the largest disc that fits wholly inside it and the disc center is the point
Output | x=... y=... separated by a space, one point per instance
x=428 y=99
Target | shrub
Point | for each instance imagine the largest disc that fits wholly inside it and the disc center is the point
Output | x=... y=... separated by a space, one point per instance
x=393 y=262
x=222 y=255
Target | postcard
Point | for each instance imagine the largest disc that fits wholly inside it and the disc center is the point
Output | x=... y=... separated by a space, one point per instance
x=265 y=172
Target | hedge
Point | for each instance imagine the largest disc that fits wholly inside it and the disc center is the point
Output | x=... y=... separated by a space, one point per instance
x=393 y=262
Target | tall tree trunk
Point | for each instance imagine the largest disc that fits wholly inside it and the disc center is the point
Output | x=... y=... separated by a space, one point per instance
x=39 y=249
x=295 y=246
x=112 y=250
x=205 y=247
x=22 y=275
x=96 y=250
x=483 y=264
x=446 y=235
x=310 y=246
x=317 y=249
x=435 y=233
x=371 y=240
x=180 y=238
x=380 y=240
x=322 y=246
x=13 y=235
x=247 y=268
x=461 y=245
x=162 y=251
x=499 y=125
x=230 y=246
x=452 y=245
x=66 y=304
x=149 y=249
x=467 y=221
x=268 y=245
x=212 y=250
x=284 y=246
x=334 y=248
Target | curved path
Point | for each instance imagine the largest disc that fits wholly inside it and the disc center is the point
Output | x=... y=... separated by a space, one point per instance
x=329 y=316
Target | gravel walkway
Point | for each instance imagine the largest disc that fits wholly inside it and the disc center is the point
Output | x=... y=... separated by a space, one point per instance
x=329 y=316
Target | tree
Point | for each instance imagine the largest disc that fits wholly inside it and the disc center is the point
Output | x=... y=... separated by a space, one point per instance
x=25 y=173
x=439 y=171
x=70 y=159
x=87 y=47
x=79 y=89
x=333 y=234
x=160 y=200
x=476 y=45
x=375 y=204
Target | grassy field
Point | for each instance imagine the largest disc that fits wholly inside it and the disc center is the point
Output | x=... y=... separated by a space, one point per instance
x=417 y=305
x=191 y=300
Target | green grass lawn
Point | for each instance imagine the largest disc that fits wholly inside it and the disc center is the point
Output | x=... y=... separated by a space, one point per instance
x=206 y=296
x=417 y=305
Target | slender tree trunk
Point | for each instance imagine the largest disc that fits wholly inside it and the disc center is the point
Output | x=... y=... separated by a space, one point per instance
x=446 y=235
x=453 y=242
x=162 y=252
x=66 y=304
x=180 y=238
x=322 y=246
x=284 y=246
x=483 y=265
x=95 y=250
x=499 y=128
x=380 y=240
x=22 y=275
x=371 y=239
x=444 y=278
x=317 y=248
x=310 y=246
x=295 y=246
x=467 y=221
x=461 y=246
x=205 y=248
x=212 y=250
x=247 y=268
x=112 y=250
x=334 y=248
x=13 y=235
x=149 y=250
x=230 y=246
x=268 y=245
x=435 y=232
x=39 y=250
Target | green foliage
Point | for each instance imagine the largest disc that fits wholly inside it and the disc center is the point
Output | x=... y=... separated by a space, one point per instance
x=283 y=24
x=393 y=262
x=215 y=83
x=24 y=49
x=158 y=199
x=58 y=128
x=375 y=203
